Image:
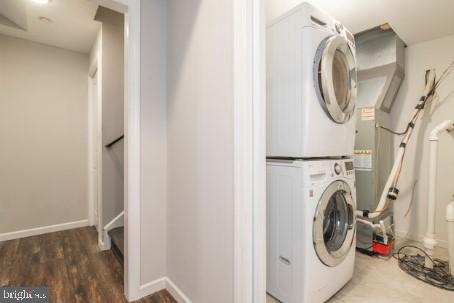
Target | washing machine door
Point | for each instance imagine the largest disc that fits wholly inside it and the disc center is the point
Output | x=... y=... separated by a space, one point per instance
x=335 y=78
x=334 y=224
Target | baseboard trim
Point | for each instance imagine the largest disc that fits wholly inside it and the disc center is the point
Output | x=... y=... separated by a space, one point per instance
x=176 y=292
x=42 y=230
x=105 y=244
x=403 y=236
x=152 y=287
x=161 y=284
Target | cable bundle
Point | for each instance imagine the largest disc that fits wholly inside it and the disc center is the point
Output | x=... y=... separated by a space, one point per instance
x=413 y=264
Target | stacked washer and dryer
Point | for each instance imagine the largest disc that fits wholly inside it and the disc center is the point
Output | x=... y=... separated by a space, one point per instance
x=310 y=140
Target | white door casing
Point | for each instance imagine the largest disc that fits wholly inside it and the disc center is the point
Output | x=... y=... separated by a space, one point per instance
x=93 y=140
x=249 y=152
x=132 y=192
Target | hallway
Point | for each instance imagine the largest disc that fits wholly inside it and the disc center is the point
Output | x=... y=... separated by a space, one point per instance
x=70 y=264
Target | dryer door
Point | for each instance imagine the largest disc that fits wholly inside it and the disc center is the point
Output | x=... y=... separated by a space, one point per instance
x=335 y=78
x=334 y=224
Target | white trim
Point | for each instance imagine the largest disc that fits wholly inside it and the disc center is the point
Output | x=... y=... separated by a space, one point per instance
x=249 y=152
x=101 y=240
x=176 y=292
x=42 y=230
x=132 y=274
x=243 y=152
x=90 y=198
x=132 y=192
x=106 y=242
x=161 y=284
x=152 y=287
x=94 y=139
x=116 y=222
x=98 y=155
x=93 y=160
x=403 y=236
x=259 y=143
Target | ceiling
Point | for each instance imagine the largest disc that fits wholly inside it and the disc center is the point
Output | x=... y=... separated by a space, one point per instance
x=414 y=20
x=72 y=25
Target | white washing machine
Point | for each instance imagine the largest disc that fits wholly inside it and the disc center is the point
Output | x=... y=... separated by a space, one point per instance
x=310 y=228
x=311 y=86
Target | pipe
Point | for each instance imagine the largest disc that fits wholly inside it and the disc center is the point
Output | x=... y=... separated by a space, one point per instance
x=446 y=125
x=429 y=238
x=389 y=182
x=450 y=221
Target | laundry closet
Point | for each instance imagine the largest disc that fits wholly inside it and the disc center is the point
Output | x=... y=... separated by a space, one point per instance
x=356 y=111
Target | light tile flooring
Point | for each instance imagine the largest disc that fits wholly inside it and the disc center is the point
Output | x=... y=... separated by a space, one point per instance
x=382 y=281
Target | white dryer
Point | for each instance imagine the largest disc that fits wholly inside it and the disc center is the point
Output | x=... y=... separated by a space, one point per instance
x=311 y=86
x=310 y=228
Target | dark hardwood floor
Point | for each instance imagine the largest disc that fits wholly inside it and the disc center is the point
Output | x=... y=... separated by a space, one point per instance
x=70 y=264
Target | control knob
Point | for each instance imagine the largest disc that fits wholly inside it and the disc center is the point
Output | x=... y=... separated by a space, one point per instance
x=337 y=169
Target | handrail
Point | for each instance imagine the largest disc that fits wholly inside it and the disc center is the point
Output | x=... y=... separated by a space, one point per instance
x=107 y=227
x=114 y=141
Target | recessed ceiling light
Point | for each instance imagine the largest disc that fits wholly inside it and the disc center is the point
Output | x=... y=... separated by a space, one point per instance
x=41 y=1
x=44 y=19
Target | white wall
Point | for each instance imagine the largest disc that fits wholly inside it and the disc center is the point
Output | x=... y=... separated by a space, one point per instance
x=43 y=135
x=200 y=149
x=153 y=227
x=420 y=57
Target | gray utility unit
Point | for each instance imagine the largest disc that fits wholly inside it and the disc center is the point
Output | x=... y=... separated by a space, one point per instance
x=380 y=58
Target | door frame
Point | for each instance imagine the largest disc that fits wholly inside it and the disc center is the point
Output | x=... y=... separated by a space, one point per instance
x=132 y=130
x=249 y=151
x=93 y=154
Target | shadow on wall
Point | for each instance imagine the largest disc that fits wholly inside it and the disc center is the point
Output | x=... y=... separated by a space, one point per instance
x=180 y=36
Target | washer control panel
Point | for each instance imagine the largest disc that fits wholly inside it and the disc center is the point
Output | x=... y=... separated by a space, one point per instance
x=349 y=168
x=345 y=168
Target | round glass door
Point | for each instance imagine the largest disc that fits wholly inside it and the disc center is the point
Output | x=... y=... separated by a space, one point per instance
x=334 y=224
x=335 y=78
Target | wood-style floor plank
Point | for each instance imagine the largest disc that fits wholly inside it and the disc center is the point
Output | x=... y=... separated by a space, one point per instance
x=69 y=263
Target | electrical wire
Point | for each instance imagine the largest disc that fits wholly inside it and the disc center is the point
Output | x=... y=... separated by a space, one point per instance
x=414 y=265
x=397 y=133
x=427 y=98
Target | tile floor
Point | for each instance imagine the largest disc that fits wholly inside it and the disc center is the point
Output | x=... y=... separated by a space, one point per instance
x=381 y=281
